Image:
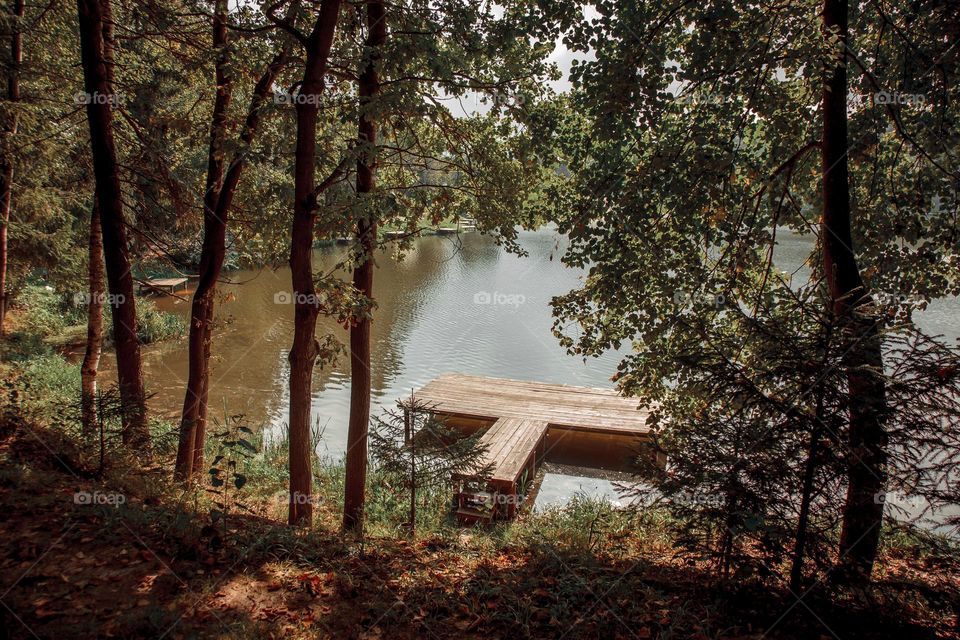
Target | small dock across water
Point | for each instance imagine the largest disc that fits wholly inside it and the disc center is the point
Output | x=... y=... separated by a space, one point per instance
x=164 y=285
x=520 y=418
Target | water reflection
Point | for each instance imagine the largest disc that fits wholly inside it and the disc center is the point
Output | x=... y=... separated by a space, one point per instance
x=450 y=304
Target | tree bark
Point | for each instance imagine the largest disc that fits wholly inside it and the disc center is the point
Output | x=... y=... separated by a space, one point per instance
x=6 y=162
x=213 y=249
x=303 y=353
x=366 y=236
x=867 y=439
x=96 y=288
x=91 y=357
x=95 y=65
x=803 y=519
x=211 y=257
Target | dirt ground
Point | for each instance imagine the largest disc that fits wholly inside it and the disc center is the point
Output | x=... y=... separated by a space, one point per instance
x=88 y=567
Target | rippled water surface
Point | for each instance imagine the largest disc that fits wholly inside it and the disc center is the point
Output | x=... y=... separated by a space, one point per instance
x=450 y=304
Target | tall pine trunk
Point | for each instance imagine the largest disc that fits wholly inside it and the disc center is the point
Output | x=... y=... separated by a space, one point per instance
x=96 y=288
x=192 y=427
x=305 y=349
x=366 y=240
x=6 y=162
x=110 y=198
x=867 y=439
x=211 y=257
x=91 y=356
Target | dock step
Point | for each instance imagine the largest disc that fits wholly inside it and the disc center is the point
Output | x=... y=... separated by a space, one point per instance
x=512 y=448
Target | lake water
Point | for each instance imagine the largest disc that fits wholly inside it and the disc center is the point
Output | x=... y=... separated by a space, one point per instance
x=450 y=304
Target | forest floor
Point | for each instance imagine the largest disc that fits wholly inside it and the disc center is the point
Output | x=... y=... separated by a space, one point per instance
x=142 y=566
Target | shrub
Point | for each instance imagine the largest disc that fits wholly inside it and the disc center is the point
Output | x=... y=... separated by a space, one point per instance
x=154 y=325
x=48 y=319
x=46 y=312
x=50 y=385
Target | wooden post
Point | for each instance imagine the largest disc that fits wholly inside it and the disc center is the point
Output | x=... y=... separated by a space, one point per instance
x=409 y=426
x=661 y=459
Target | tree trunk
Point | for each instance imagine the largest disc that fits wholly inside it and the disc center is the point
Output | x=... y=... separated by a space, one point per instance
x=806 y=499
x=303 y=353
x=6 y=163
x=96 y=287
x=198 y=388
x=200 y=435
x=110 y=198
x=867 y=439
x=192 y=429
x=360 y=379
x=91 y=357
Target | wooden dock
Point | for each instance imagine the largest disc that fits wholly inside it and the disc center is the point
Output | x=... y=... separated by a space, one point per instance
x=164 y=285
x=521 y=415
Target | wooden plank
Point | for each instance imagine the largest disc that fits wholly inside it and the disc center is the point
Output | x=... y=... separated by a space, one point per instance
x=463 y=379
x=553 y=415
x=489 y=406
x=512 y=448
x=510 y=445
x=513 y=464
x=523 y=413
x=564 y=406
x=166 y=282
x=454 y=388
x=495 y=439
x=163 y=284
